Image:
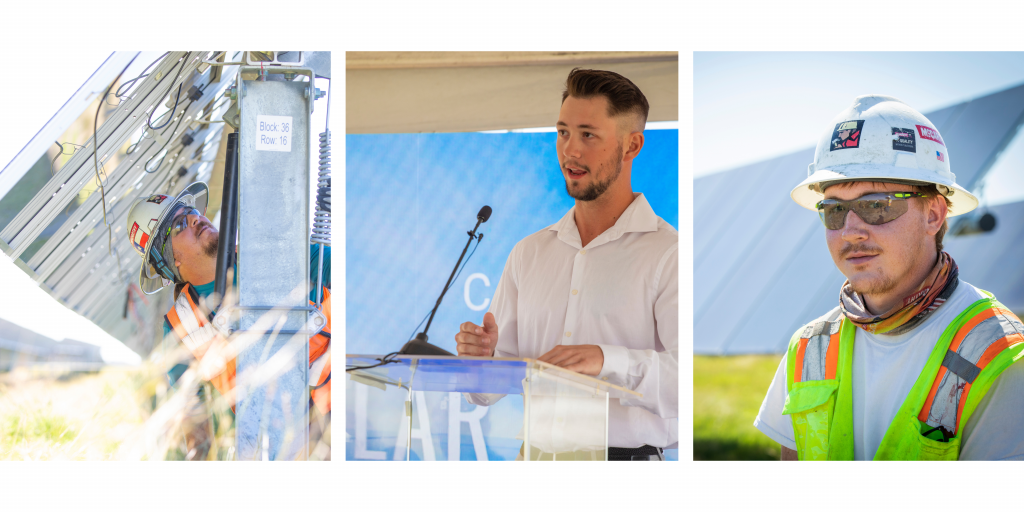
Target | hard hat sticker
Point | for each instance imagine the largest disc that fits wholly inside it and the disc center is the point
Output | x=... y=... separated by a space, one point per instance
x=929 y=133
x=847 y=135
x=903 y=140
x=156 y=198
x=273 y=133
x=939 y=156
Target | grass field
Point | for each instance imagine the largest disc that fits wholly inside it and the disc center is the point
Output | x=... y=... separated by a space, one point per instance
x=76 y=416
x=101 y=415
x=121 y=413
x=727 y=393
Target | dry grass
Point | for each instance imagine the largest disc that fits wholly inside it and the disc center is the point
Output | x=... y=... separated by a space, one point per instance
x=118 y=413
x=84 y=416
x=102 y=416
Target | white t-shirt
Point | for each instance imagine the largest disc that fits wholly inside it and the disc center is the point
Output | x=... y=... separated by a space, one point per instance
x=885 y=368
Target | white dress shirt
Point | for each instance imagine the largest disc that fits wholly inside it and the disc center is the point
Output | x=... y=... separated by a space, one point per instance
x=621 y=293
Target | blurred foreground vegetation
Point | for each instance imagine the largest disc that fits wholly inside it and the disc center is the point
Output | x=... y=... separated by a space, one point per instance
x=104 y=415
x=727 y=393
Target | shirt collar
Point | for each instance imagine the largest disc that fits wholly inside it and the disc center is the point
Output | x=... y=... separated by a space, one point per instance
x=637 y=218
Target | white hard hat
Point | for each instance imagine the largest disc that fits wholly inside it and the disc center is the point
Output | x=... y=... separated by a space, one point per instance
x=880 y=138
x=145 y=217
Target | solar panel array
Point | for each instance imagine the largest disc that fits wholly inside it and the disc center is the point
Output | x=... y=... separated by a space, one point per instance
x=761 y=268
x=75 y=264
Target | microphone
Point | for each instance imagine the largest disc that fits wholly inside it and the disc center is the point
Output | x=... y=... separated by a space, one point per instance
x=419 y=346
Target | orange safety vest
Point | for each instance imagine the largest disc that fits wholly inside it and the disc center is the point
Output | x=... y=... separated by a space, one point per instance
x=216 y=365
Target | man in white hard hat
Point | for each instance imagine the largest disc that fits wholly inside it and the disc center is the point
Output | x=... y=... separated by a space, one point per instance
x=179 y=246
x=914 y=363
x=597 y=292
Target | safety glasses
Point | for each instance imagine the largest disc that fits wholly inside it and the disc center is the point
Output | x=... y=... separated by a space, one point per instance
x=873 y=209
x=180 y=221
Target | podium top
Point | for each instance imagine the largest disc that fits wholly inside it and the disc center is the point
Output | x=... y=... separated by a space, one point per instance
x=470 y=374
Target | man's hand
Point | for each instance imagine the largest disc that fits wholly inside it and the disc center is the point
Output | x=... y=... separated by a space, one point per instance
x=476 y=340
x=585 y=359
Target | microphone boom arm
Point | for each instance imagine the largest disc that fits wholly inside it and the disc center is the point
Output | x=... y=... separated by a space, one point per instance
x=419 y=345
x=472 y=236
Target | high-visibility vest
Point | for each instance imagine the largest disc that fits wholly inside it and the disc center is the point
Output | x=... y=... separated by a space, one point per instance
x=217 y=364
x=981 y=342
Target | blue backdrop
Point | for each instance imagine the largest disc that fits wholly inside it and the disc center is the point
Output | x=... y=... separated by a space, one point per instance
x=411 y=198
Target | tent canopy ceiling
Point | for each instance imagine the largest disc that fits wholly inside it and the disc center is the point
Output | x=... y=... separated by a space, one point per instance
x=412 y=92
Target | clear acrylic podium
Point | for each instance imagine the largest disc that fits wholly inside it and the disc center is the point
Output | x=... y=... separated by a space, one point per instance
x=469 y=408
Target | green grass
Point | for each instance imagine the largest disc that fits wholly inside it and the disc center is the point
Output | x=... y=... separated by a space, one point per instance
x=727 y=393
x=37 y=425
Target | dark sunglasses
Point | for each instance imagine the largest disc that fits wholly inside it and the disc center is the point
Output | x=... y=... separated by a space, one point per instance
x=873 y=209
x=180 y=222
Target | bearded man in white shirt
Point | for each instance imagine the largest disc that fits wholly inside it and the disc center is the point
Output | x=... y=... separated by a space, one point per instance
x=597 y=292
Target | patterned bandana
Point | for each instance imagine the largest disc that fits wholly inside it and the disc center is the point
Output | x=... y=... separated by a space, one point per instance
x=908 y=314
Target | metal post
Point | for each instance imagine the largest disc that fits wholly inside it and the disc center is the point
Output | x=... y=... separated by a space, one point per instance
x=273 y=264
x=228 y=218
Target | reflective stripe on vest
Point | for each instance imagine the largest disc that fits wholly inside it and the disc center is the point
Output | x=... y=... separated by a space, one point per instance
x=974 y=349
x=198 y=335
x=975 y=345
x=818 y=350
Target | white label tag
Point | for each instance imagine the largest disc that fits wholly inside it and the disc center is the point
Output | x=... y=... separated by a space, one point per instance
x=273 y=133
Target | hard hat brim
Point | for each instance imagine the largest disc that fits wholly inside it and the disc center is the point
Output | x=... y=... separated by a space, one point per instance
x=806 y=194
x=199 y=193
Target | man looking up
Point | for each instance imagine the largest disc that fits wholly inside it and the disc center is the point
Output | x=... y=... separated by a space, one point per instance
x=914 y=363
x=179 y=246
x=597 y=292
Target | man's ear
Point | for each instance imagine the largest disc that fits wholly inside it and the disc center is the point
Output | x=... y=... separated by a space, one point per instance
x=634 y=143
x=938 y=212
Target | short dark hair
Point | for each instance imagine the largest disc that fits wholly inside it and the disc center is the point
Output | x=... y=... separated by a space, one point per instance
x=624 y=97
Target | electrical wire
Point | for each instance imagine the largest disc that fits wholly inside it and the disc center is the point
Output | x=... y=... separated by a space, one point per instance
x=173 y=133
x=387 y=359
x=119 y=95
x=166 y=142
x=149 y=122
x=59 y=153
x=96 y=167
x=177 y=97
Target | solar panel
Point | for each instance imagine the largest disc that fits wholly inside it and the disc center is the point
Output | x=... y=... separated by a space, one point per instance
x=761 y=267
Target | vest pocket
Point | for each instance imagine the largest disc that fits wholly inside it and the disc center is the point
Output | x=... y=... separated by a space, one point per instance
x=910 y=444
x=810 y=405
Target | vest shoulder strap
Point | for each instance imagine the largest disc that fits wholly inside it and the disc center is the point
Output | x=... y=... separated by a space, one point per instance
x=817 y=349
x=189 y=323
x=976 y=343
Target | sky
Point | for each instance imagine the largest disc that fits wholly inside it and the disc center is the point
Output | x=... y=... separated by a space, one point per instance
x=751 y=106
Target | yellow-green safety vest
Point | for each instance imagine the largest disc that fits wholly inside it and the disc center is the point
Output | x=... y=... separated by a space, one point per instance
x=981 y=342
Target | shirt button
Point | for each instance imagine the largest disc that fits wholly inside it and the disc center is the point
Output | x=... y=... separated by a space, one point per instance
x=567 y=334
x=574 y=292
x=583 y=251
